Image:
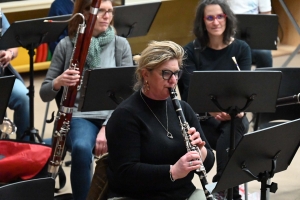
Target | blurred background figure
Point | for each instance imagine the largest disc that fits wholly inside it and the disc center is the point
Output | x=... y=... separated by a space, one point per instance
x=260 y=57
x=60 y=7
x=19 y=100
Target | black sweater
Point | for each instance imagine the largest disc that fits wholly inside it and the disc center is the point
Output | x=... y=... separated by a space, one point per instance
x=140 y=153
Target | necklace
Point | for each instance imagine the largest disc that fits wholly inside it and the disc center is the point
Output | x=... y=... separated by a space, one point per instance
x=169 y=135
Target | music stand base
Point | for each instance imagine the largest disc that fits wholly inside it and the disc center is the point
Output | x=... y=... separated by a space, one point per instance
x=33 y=135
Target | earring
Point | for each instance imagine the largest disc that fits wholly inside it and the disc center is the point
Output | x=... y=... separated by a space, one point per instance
x=147 y=86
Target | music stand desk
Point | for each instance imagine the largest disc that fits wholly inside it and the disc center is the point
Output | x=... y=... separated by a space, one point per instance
x=232 y=89
x=256 y=152
x=42 y=188
x=34 y=31
x=135 y=20
x=105 y=88
x=252 y=28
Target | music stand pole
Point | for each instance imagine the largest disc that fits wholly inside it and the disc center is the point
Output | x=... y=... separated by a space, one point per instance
x=32 y=131
x=232 y=111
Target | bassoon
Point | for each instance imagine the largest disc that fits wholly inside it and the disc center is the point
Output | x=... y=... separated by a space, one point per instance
x=201 y=172
x=77 y=62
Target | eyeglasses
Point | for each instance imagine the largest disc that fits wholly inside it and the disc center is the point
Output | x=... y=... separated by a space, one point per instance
x=103 y=12
x=167 y=74
x=219 y=17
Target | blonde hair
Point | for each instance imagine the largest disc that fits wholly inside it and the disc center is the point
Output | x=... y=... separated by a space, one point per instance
x=155 y=54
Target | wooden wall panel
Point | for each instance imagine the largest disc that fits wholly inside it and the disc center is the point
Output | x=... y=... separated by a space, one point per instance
x=287 y=32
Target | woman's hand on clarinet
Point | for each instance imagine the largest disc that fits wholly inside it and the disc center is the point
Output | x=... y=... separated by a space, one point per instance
x=101 y=143
x=67 y=78
x=187 y=163
x=195 y=138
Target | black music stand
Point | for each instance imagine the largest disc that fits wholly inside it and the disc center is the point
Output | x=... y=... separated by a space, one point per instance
x=234 y=92
x=261 y=154
x=135 y=20
x=42 y=188
x=6 y=84
x=29 y=34
x=105 y=88
x=252 y=28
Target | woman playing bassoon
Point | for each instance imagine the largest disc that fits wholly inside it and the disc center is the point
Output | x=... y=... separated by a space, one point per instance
x=86 y=129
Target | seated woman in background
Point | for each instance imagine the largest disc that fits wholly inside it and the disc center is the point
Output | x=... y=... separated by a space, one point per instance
x=214 y=49
x=148 y=158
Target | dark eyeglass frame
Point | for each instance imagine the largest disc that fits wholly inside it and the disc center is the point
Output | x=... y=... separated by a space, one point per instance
x=211 y=18
x=103 y=11
x=177 y=74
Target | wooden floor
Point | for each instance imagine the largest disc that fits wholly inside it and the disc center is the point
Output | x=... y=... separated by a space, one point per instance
x=288 y=181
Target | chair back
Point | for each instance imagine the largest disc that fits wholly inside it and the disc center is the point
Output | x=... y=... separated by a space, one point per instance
x=99 y=185
x=289 y=86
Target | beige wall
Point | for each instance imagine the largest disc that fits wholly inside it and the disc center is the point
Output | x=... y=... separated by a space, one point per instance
x=287 y=32
x=174 y=21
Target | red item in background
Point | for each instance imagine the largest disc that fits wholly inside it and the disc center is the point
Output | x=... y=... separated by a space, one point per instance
x=21 y=160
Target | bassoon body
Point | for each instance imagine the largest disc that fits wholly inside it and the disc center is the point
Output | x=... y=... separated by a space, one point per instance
x=189 y=146
x=77 y=62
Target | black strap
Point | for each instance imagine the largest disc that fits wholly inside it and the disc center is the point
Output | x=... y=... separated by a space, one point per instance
x=62 y=179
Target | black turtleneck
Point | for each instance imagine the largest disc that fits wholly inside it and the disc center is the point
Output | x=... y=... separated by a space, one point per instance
x=140 y=153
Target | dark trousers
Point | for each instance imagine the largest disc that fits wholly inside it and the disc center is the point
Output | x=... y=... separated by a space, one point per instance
x=218 y=135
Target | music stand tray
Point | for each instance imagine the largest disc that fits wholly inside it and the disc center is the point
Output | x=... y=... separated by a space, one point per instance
x=252 y=28
x=232 y=89
x=256 y=152
x=135 y=20
x=105 y=88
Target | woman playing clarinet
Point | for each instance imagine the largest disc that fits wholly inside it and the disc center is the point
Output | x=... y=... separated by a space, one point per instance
x=87 y=129
x=215 y=48
x=148 y=158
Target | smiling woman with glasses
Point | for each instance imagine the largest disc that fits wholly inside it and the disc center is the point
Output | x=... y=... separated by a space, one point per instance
x=215 y=48
x=148 y=158
x=211 y=18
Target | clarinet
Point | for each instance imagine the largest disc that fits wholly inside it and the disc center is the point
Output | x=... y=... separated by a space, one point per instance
x=78 y=58
x=184 y=130
x=289 y=100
